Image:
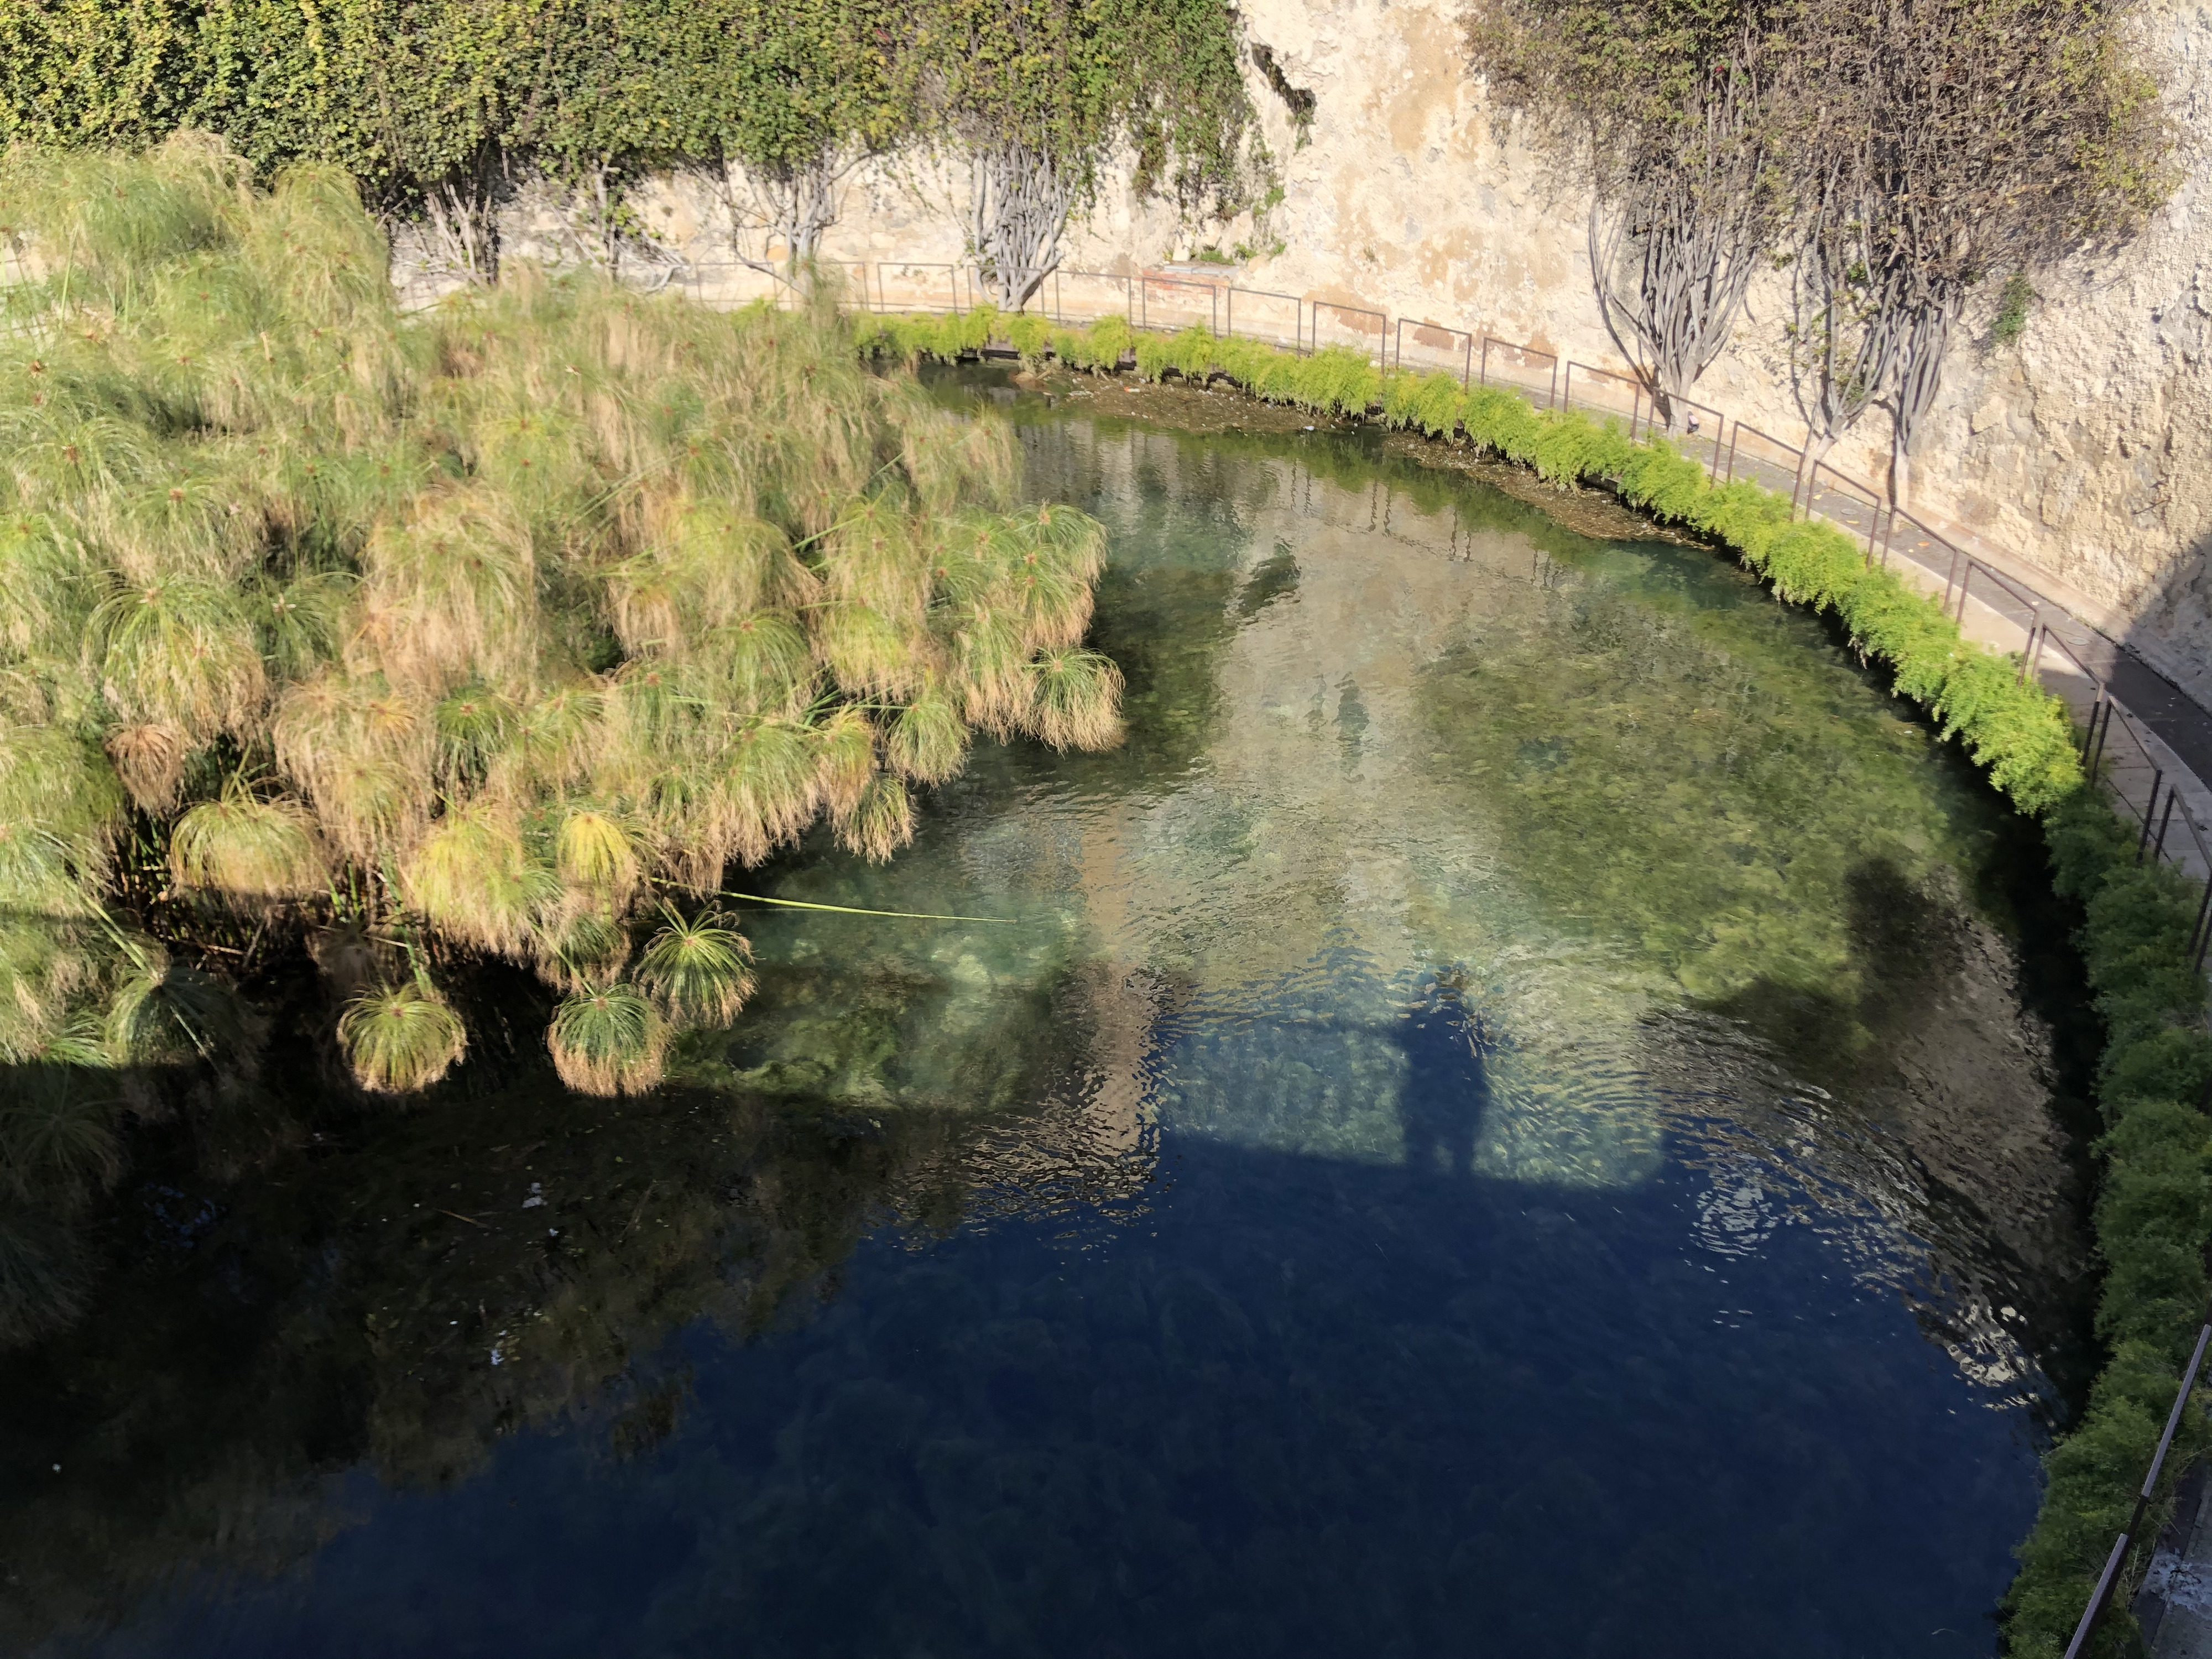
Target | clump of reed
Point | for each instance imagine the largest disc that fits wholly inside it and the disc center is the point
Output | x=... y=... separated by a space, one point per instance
x=499 y=631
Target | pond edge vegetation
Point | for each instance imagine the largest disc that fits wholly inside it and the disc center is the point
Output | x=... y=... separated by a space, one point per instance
x=2152 y=1218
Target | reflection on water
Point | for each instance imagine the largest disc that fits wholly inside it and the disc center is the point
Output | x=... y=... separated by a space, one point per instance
x=1507 y=1118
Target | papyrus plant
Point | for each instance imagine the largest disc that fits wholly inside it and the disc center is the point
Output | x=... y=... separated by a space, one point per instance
x=504 y=631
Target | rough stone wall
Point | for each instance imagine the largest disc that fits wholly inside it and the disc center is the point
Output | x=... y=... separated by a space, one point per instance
x=2085 y=450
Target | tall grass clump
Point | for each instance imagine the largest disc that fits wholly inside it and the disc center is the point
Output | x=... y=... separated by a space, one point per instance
x=500 y=631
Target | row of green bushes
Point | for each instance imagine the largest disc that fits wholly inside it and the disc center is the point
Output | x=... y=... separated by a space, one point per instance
x=2153 y=1222
x=2153 y=1215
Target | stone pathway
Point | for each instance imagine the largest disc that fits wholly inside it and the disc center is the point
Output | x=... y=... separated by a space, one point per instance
x=2174 y=1604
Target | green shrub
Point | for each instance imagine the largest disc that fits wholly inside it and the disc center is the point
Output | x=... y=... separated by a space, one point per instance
x=2154 y=1220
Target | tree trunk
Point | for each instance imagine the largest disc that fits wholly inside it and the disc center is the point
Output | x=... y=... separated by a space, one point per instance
x=1817 y=448
x=790 y=206
x=1019 y=203
x=1919 y=380
x=1900 y=478
x=461 y=225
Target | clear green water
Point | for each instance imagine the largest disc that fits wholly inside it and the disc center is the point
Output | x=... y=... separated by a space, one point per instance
x=1510 y=1117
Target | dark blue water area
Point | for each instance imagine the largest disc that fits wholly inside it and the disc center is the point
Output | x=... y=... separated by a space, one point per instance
x=1272 y=1406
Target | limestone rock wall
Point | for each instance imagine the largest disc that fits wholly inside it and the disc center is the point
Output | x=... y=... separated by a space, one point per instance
x=2085 y=450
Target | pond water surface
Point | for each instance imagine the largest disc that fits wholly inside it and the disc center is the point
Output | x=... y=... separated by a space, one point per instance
x=1512 y=1117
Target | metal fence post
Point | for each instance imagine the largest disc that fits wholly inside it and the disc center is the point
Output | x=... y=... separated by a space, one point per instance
x=1466 y=369
x=2157 y=777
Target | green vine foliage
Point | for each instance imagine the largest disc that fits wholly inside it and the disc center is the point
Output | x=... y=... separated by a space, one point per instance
x=778 y=84
x=410 y=95
x=1069 y=80
x=94 y=71
x=2154 y=1214
x=402 y=94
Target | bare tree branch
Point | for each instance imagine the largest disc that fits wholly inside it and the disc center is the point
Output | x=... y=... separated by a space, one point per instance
x=1019 y=203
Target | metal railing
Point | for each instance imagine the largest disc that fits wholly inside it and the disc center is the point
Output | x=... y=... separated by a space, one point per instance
x=2057 y=649
x=1443 y=345
x=2102 y=1597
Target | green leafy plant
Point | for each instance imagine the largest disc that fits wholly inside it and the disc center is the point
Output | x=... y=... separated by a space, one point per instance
x=490 y=633
x=2012 y=302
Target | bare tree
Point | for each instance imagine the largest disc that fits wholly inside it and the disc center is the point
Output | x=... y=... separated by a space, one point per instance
x=1942 y=140
x=1672 y=252
x=1849 y=293
x=1661 y=110
x=1038 y=98
x=782 y=204
x=1019 y=201
x=460 y=227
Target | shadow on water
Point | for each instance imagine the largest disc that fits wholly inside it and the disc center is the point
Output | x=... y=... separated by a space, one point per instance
x=1447 y=1086
x=1914 y=1055
x=1265 y=1405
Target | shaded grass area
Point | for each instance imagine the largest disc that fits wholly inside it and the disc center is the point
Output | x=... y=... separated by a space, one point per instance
x=2154 y=1214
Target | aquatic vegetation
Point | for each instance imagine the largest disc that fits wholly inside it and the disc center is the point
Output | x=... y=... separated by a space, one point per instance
x=499 y=631
x=2153 y=1217
x=401 y=1038
x=696 y=969
x=1182 y=961
x=2021 y=733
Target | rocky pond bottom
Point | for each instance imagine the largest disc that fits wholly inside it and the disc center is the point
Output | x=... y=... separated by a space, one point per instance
x=1520 y=1113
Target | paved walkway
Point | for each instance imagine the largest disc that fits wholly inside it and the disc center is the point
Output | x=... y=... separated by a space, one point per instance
x=2174 y=1605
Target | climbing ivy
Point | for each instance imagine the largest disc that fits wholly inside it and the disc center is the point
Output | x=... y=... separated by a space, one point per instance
x=439 y=107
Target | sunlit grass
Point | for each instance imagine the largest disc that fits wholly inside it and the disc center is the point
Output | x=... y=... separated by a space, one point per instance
x=488 y=632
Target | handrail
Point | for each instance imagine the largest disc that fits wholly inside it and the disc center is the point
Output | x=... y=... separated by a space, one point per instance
x=1145 y=279
x=1297 y=313
x=1635 y=390
x=1381 y=325
x=1551 y=397
x=1398 y=344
